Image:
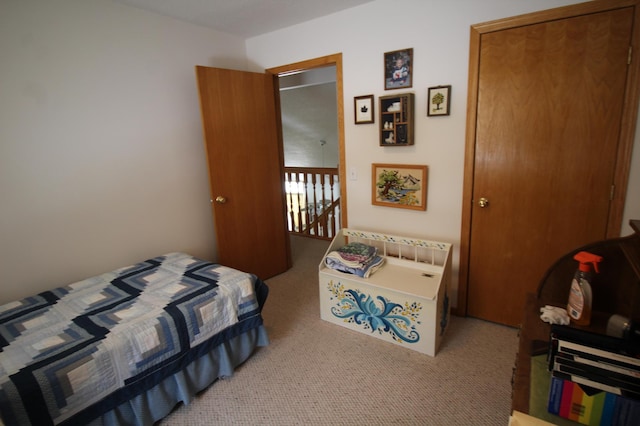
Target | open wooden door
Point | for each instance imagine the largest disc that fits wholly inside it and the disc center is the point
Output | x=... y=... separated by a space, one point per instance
x=549 y=107
x=241 y=123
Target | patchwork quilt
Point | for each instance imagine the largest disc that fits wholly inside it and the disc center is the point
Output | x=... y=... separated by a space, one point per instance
x=70 y=354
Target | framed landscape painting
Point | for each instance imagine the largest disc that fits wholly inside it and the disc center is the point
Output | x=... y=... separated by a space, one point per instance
x=399 y=185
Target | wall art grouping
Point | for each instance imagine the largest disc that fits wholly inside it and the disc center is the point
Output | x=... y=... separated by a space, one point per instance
x=397 y=185
x=398 y=74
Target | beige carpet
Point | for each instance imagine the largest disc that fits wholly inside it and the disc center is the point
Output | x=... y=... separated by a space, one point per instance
x=317 y=373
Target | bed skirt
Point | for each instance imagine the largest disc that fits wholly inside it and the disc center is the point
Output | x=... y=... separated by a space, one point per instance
x=159 y=401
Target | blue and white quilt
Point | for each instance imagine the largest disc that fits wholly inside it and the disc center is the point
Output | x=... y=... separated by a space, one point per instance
x=73 y=353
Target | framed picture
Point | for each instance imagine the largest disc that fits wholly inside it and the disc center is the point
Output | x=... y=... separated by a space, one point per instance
x=363 y=109
x=399 y=185
x=439 y=100
x=398 y=69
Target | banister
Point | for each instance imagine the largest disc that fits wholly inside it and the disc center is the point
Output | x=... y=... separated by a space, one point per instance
x=313 y=201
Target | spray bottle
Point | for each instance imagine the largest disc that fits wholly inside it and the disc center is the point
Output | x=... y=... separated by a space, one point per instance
x=580 y=295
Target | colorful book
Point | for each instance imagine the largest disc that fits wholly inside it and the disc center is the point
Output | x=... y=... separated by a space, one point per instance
x=567 y=399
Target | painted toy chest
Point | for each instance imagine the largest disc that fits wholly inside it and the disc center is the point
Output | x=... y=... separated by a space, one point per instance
x=405 y=302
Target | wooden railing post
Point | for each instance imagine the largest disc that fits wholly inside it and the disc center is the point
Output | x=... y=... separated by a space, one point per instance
x=332 y=220
x=289 y=199
x=300 y=201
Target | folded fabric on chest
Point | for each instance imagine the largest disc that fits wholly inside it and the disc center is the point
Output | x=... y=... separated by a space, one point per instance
x=355 y=258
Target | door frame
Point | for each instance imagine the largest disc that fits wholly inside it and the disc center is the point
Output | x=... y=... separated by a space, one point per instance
x=325 y=61
x=627 y=126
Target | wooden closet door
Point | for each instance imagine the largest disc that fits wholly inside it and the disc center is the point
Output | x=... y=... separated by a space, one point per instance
x=549 y=106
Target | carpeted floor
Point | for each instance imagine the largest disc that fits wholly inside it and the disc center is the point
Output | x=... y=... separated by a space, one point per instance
x=317 y=373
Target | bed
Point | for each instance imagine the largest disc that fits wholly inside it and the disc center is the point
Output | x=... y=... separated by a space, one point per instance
x=127 y=346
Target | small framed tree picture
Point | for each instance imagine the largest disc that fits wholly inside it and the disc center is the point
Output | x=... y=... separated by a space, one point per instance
x=439 y=101
x=363 y=109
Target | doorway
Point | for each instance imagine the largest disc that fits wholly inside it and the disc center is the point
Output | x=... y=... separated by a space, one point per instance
x=308 y=107
x=331 y=64
x=308 y=110
x=546 y=166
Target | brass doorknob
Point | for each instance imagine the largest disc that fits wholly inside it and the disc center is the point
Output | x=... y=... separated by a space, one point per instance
x=483 y=202
x=220 y=199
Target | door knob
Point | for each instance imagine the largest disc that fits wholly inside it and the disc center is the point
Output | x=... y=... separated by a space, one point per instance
x=220 y=199
x=483 y=202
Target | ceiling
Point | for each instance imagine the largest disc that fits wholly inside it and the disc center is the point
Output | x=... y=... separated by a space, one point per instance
x=244 y=18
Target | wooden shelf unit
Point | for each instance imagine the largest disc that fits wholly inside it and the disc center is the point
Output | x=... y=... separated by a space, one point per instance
x=396 y=119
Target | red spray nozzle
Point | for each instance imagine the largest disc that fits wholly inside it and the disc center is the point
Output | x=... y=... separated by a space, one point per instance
x=587 y=259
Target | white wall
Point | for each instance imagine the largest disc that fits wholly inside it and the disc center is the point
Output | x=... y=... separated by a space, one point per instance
x=101 y=153
x=438 y=31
